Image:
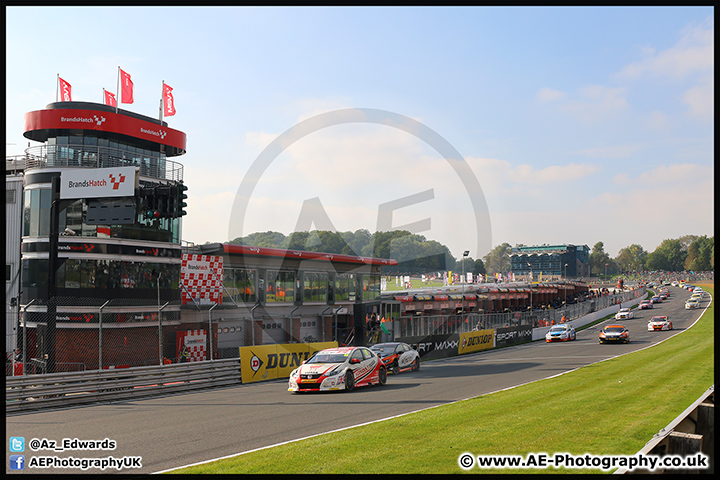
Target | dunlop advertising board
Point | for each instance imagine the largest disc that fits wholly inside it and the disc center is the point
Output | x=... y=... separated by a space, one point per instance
x=476 y=341
x=268 y=362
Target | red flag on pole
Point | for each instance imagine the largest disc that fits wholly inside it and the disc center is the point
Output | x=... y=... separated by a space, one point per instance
x=110 y=99
x=65 y=91
x=168 y=101
x=126 y=92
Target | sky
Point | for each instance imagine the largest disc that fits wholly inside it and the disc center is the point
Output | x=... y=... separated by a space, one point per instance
x=470 y=126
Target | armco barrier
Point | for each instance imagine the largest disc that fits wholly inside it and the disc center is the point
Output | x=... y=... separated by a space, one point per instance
x=34 y=392
x=691 y=432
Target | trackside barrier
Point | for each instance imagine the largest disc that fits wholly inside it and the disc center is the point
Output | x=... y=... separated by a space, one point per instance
x=268 y=362
x=539 y=333
x=34 y=392
x=691 y=432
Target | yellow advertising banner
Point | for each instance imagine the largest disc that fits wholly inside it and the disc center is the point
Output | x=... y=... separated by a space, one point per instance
x=476 y=341
x=267 y=362
x=254 y=361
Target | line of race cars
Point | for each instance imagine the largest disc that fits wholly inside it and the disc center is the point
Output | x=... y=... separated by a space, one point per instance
x=344 y=368
x=618 y=332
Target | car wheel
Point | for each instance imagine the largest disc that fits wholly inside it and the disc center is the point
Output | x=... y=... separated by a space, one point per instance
x=382 y=376
x=349 y=381
x=416 y=364
x=395 y=368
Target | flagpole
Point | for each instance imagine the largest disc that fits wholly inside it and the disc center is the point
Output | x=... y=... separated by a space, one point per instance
x=117 y=92
x=162 y=100
x=57 y=87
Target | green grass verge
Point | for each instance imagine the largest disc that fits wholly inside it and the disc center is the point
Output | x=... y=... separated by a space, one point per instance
x=610 y=408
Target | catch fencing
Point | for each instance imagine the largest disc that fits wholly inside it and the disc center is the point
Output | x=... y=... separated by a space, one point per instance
x=100 y=334
x=419 y=325
x=96 y=334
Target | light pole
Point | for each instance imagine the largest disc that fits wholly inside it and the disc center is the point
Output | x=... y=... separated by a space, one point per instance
x=565 y=286
x=462 y=308
x=530 y=283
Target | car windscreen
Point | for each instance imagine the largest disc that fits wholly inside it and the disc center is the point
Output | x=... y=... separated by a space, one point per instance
x=613 y=329
x=557 y=329
x=383 y=349
x=327 y=358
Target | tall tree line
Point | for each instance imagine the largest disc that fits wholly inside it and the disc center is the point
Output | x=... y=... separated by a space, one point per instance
x=417 y=254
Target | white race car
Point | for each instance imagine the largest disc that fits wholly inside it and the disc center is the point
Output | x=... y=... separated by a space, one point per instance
x=342 y=368
x=692 y=303
x=659 y=323
x=624 y=314
x=560 y=333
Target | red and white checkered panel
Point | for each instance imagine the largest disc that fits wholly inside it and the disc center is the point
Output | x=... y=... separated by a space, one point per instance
x=195 y=341
x=198 y=279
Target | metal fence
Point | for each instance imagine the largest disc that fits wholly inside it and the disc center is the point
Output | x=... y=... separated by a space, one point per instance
x=446 y=324
x=96 y=334
x=88 y=156
x=93 y=334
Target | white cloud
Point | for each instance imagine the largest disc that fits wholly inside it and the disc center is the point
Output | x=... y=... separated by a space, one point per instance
x=700 y=100
x=493 y=172
x=596 y=102
x=613 y=151
x=694 y=53
x=680 y=176
x=546 y=95
x=658 y=120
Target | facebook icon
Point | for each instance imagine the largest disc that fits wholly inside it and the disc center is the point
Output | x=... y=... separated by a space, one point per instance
x=17 y=462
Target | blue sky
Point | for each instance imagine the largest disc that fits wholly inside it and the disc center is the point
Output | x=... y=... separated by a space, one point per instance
x=579 y=124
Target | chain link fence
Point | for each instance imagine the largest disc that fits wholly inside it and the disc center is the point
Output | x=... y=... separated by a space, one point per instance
x=92 y=334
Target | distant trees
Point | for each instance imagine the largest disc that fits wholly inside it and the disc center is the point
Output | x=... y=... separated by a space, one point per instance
x=689 y=252
x=701 y=255
x=631 y=258
x=416 y=254
x=599 y=260
x=669 y=255
x=498 y=260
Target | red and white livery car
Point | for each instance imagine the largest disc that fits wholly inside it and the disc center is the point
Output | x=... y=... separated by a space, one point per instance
x=342 y=368
x=659 y=323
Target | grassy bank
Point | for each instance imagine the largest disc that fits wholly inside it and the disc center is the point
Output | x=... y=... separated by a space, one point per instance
x=613 y=407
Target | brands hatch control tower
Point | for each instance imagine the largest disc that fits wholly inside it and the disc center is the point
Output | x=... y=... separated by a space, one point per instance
x=101 y=222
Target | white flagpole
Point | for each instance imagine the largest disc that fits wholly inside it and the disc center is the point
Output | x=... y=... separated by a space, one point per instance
x=57 y=87
x=162 y=100
x=117 y=92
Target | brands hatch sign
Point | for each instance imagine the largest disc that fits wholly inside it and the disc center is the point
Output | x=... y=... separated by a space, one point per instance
x=98 y=182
